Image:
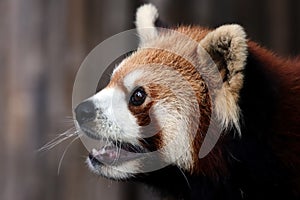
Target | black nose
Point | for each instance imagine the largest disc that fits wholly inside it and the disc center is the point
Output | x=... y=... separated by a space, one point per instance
x=85 y=112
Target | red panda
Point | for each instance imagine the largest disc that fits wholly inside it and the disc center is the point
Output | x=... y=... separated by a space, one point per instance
x=163 y=99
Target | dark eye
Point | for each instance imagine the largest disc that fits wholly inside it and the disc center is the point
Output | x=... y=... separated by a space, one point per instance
x=138 y=97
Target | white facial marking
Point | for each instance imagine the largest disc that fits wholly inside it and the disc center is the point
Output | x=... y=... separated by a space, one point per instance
x=114 y=114
x=129 y=80
x=177 y=146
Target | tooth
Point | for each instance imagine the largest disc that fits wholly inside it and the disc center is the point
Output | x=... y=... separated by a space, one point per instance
x=102 y=151
x=95 y=152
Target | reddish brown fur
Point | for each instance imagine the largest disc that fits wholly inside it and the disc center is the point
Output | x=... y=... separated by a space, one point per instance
x=286 y=130
x=287 y=72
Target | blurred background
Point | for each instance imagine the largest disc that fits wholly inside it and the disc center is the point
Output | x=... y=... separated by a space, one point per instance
x=42 y=44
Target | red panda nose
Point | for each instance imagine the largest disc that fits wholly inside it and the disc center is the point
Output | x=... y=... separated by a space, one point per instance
x=85 y=112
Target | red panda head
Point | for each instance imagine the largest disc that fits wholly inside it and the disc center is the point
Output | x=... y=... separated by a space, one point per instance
x=159 y=104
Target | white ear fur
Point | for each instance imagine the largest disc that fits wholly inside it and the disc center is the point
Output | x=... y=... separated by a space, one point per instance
x=146 y=16
x=227 y=45
x=230 y=41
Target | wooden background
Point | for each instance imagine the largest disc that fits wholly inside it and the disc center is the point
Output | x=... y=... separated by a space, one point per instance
x=42 y=44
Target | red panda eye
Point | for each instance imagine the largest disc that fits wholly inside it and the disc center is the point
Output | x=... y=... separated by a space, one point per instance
x=138 y=97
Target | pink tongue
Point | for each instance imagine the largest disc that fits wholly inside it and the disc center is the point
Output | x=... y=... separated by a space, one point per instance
x=110 y=155
x=106 y=155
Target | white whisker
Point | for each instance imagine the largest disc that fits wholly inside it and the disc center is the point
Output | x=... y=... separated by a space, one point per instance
x=57 y=140
x=65 y=151
x=186 y=179
x=68 y=120
x=118 y=146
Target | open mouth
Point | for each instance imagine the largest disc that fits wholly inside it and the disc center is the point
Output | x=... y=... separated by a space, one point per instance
x=112 y=152
x=115 y=153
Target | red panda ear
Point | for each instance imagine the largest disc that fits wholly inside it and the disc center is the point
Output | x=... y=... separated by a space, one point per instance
x=227 y=46
x=146 y=17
